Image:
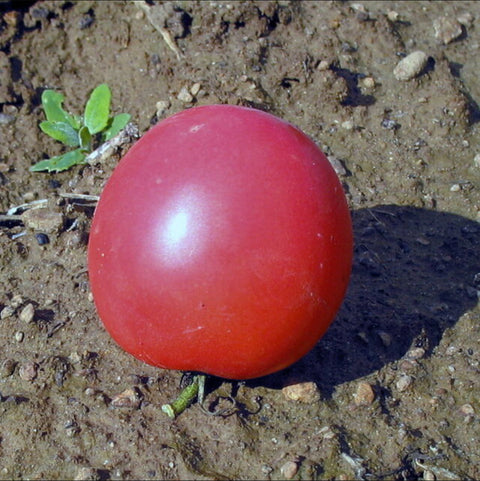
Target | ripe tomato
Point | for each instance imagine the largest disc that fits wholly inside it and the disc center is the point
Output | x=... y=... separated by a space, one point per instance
x=222 y=243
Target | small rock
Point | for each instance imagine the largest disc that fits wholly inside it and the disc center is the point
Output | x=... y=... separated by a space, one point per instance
x=364 y=395
x=43 y=220
x=327 y=432
x=447 y=29
x=129 y=398
x=28 y=371
x=466 y=410
x=393 y=16
x=162 y=106
x=347 y=125
x=337 y=165
x=416 y=353
x=476 y=161
x=466 y=19
x=19 y=335
x=455 y=188
x=306 y=392
x=7 y=368
x=195 y=88
x=27 y=314
x=411 y=66
x=289 y=470
x=7 y=312
x=323 y=65
x=368 y=82
x=42 y=239
x=428 y=475
x=184 y=95
x=404 y=382
x=17 y=301
x=6 y=119
x=87 y=474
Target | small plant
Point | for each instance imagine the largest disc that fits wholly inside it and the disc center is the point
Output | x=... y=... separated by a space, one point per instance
x=83 y=132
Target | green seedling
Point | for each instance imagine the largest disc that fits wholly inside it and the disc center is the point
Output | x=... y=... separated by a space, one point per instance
x=83 y=132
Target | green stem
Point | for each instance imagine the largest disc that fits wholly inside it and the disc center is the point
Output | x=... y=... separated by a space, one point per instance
x=194 y=390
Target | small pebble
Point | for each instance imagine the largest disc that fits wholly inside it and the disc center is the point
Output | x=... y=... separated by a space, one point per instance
x=27 y=314
x=6 y=119
x=42 y=239
x=337 y=165
x=7 y=312
x=162 y=106
x=411 y=66
x=306 y=392
x=404 y=383
x=466 y=410
x=184 y=95
x=87 y=474
x=447 y=29
x=323 y=65
x=347 y=125
x=17 y=301
x=416 y=353
x=368 y=82
x=466 y=19
x=7 y=368
x=428 y=476
x=28 y=371
x=476 y=161
x=195 y=88
x=455 y=188
x=127 y=399
x=393 y=16
x=19 y=335
x=327 y=432
x=364 y=395
x=289 y=470
x=43 y=220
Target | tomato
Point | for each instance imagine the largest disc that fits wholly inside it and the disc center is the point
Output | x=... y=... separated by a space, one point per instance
x=222 y=243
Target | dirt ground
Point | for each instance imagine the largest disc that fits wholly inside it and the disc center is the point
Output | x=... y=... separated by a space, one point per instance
x=397 y=374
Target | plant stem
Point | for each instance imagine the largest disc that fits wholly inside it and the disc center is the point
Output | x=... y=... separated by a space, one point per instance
x=194 y=390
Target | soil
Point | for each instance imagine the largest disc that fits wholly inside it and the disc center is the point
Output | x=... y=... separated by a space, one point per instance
x=396 y=376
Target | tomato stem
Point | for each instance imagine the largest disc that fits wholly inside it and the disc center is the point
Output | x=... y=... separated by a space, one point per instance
x=194 y=390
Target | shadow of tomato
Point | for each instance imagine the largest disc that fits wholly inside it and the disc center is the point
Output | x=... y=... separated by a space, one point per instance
x=415 y=272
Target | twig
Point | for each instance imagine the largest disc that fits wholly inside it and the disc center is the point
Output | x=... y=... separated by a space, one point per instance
x=129 y=133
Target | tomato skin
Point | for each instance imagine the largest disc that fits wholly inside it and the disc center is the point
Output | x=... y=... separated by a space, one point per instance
x=222 y=243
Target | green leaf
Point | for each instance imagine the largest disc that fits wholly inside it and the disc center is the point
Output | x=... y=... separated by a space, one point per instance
x=61 y=131
x=116 y=124
x=97 y=109
x=85 y=138
x=60 y=162
x=52 y=106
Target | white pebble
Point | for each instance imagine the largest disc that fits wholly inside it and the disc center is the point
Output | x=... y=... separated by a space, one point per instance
x=184 y=95
x=368 y=82
x=162 y=106
x=7 y=311
x=404 y=383
x=19 y=335
x=411 y=65
x=289 y=470
x=27 y=314
x=476 y=161
x=455 y=188
x=447 y=29
x=195 y=88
